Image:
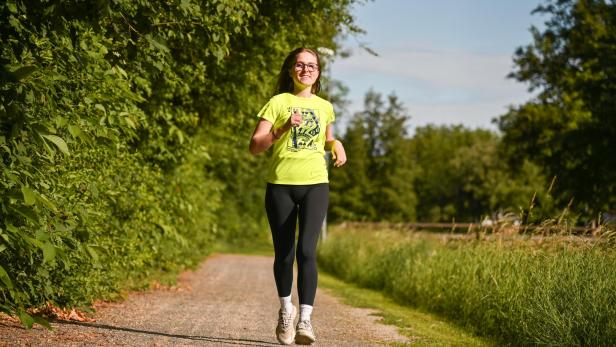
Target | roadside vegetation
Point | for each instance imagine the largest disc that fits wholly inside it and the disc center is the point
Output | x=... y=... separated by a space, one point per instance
x=421 y=328
x=521 y=290
x=123 y=136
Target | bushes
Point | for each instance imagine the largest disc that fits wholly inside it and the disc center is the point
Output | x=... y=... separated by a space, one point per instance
x=524 y=294
x=123 y=134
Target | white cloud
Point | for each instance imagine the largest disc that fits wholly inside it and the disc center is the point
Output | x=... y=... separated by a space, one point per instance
x=436 y=86
x=442 y=69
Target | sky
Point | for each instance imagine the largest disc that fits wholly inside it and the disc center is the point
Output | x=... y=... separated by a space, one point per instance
x=446 y=60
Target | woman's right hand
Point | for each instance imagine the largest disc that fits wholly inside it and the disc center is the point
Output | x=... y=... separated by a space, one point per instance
x=294 y=121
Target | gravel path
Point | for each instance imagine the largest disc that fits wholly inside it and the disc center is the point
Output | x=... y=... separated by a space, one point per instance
x=230 y=300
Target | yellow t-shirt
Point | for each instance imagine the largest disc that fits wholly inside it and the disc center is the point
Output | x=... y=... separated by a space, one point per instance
x=299 y=155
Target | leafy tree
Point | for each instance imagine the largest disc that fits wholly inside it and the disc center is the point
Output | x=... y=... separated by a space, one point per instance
x=438 y=187
x=377 y=183
x=350 y=186
x=486 y=184
x=463 y=175
x=570 y=128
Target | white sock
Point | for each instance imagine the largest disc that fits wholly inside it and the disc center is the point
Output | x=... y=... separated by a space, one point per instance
x=285 y=303
x=304 y=312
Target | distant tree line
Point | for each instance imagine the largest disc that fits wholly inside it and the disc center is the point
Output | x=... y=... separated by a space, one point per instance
x=441 y=173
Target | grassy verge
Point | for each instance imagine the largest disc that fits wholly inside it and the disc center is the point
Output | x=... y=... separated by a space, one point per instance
x=559 y=292
x=261 y=245
x=422 y=329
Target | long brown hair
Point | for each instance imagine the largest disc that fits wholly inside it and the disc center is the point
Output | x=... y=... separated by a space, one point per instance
x=285 y=82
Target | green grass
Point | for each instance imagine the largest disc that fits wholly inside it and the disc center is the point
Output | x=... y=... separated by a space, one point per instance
x=422 y=329
x=522 y=292
x=259 y=246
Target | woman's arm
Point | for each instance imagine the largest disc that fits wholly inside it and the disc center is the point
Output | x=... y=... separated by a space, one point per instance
x=263 y=136
x=335 y=146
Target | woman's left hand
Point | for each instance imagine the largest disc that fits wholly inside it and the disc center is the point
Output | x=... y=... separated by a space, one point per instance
x=338 y=154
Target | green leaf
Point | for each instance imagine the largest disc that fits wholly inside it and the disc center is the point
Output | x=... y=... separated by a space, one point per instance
x=2 y=247
x=10 y=227
x=33 y=241
x=26 y=319
x=184 y=4
x=29 y=195
x=49 y=252
x=92 y=252
x=27 y=213
x=4 y=276
x=43 y=322
x=41 y=235
x=59 y=142
x=100 y=108
x=156 y=44
x=11 y=6
x=78 y=133
x=94 y=255
x=23 y=72
x=43 y=200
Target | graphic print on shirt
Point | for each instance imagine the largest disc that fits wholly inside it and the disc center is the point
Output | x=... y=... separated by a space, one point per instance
x=305 y=135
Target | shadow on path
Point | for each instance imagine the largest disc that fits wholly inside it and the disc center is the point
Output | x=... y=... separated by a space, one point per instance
x=231 y=341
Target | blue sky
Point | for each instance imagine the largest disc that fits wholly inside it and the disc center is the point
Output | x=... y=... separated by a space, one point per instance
x=446 y=60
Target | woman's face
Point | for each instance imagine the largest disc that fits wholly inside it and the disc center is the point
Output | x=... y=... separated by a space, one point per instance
x=305 y=71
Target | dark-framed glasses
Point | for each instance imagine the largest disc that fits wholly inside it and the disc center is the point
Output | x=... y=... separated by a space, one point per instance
x=310 y=67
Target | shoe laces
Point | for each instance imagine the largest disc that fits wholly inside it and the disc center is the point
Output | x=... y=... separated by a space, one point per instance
x=284 y=319
x=304 y=324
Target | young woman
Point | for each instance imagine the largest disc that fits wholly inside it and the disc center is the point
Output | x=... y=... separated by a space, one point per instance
x=298 y=124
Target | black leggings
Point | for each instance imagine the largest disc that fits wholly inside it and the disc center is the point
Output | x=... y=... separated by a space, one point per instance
x=284 y=204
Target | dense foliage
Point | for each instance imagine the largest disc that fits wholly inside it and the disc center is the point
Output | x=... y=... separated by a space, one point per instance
x=557 y=292
x=123 y=134
x=570 y=129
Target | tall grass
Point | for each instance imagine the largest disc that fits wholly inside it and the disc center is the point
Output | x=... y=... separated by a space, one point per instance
x=547 y=292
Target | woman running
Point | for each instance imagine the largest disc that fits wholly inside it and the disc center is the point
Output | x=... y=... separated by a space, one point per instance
x=298 y=123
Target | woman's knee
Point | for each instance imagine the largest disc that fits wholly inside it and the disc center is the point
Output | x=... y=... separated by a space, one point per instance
x=285 y=260
x=306 y=255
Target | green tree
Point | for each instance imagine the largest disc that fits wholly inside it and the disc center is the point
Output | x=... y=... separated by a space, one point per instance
x=350 y=185
x=438 y=187
x=486 y=184
x=377 y=183
x=464 y=177
x=570 y=128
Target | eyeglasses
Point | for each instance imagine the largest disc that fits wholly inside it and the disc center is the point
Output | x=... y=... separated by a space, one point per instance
x=310 y=67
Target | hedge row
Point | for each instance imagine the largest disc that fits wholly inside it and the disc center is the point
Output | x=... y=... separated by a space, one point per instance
x=123 y=128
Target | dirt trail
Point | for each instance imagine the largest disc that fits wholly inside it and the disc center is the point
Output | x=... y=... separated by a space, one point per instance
x=230 y=300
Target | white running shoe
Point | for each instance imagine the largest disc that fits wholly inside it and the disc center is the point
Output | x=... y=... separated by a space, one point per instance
x=285 y=331
x=304 y=334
